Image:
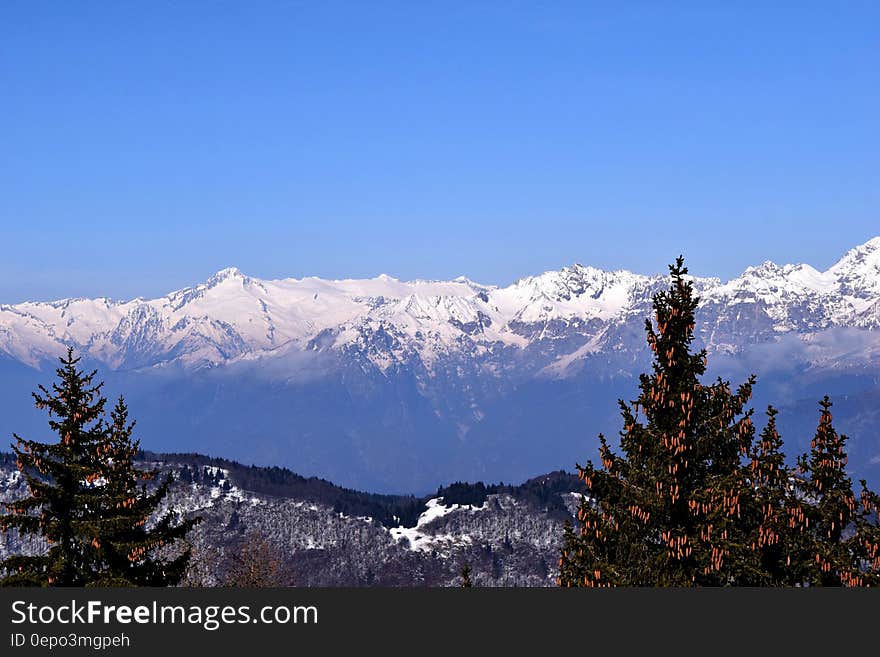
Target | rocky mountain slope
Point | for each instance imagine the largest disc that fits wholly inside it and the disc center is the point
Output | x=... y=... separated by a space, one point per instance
x=323 y=535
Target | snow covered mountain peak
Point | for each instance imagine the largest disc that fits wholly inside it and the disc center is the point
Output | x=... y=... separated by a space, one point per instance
x=765 y=269
x=228 y=273
x=577 y=280
x=797 y=278
x=858 y=271
x=869 y=247
x=575 y=310
x=863 y=259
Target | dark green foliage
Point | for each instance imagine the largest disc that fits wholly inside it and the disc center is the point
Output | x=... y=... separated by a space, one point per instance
x=544 y=492
x=388 y=510
x=839 y=541
x=663 y=514
x=694 y=500
x=86 y=498
x=464 y=494
x=124 y=545
x=60 y=476
x=466 y=577
x=766 y=504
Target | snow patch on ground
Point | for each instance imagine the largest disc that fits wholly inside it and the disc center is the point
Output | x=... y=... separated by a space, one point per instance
x=420 y=540
x=11 y=479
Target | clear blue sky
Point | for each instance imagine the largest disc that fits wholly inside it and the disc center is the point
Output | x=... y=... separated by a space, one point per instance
x=145 y=145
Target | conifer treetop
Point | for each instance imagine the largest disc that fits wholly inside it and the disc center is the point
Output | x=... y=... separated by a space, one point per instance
x=86 y=498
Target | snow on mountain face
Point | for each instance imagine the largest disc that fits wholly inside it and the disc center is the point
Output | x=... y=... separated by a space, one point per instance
x=858 y=272
x=800 y=298
x=560 y=315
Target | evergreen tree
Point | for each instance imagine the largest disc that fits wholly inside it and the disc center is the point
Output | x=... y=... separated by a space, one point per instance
x=839 y=536
x=124 y=549
x=466 y=577
x=59 y=478
x=664 y=513
x=83 y=497
x=769 y=497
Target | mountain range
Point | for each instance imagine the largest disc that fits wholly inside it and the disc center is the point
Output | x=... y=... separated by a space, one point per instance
x=393 y=385
x=318 y=534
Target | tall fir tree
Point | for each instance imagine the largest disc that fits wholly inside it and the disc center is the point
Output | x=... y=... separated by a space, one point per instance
x=839 y=533
x=769 y=497
x=83 y=497
x=124 y=548
x=59 y=477
x=664 y=513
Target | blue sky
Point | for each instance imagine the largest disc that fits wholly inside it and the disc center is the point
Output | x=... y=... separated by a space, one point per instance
x=146 y=145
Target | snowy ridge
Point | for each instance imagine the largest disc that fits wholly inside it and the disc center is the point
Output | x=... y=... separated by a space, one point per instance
x=200 y=496
x=387 y=322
